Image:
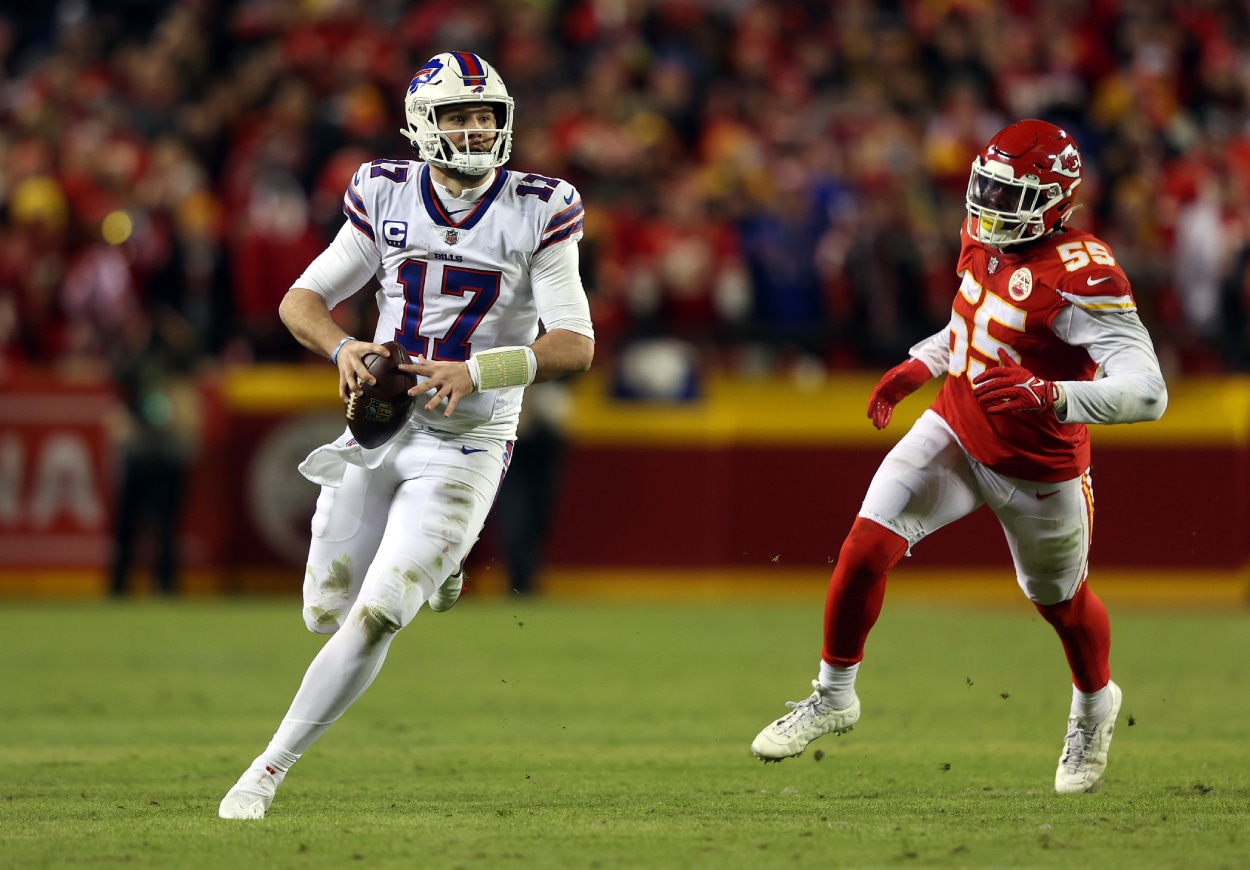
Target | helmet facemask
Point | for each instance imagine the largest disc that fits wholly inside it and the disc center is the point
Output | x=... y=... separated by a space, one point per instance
x=1004 y=210
x=450 y=79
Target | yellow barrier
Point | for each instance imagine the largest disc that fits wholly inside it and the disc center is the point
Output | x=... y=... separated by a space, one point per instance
x=741 y=410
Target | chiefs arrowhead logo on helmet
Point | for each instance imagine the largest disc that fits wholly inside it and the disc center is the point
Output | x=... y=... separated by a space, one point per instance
x=1068 y=162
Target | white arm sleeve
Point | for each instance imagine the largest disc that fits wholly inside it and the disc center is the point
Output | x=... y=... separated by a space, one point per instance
x=558 y=293
x=342 y=268
x=934 y=352
x=1129 y=387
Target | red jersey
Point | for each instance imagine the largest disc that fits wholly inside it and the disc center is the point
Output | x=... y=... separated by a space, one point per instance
x=1009 y=300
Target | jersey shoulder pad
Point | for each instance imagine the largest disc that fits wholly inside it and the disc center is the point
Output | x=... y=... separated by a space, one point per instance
x=378 y=177
x=534 y=190
x=370 y=185
x=564 y=214
x=1087 y=275
x=357 y=202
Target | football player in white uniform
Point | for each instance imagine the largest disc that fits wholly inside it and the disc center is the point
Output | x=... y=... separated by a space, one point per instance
x=479 y=279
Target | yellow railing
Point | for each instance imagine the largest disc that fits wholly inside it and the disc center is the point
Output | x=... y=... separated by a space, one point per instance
x=739 y=410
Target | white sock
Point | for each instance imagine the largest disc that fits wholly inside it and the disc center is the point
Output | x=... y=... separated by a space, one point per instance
x=838 y=684
x=276 y=758
x=1090 y=707
x=338 y=675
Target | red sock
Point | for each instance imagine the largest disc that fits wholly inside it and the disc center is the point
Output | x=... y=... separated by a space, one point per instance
x=1085 y=631
x=857 y=589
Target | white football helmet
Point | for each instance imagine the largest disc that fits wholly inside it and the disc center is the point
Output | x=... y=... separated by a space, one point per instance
x=450 y=78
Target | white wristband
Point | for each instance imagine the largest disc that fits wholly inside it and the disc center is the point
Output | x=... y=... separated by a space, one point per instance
x=1061 y=403
x=502 y=367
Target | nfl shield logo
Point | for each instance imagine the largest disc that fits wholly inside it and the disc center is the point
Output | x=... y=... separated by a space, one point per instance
x=451 y=237
x=993 y=266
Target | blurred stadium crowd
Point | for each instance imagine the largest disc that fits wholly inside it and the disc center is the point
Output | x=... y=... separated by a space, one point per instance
x=771 y=185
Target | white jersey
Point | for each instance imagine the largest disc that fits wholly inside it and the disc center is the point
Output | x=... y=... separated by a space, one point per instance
x=459 y=275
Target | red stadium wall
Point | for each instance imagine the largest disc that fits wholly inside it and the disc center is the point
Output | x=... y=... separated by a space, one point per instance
x=58 y=480
x=1164 y=507
x=757 y=476
x=752 y=478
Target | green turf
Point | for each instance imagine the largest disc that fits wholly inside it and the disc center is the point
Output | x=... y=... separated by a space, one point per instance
x=532 y=734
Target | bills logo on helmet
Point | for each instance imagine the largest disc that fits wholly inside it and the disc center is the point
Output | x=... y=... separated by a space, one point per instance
x=1068 y=162
x=423 y=76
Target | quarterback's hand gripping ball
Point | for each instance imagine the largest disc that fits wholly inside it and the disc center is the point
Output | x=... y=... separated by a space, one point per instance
x=383 y=406
x=1010 y=387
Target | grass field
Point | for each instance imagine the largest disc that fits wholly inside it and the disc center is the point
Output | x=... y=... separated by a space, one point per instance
x=552 y=735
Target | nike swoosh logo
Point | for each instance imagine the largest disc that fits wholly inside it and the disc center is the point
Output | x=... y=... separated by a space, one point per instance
x=568 y=199
x=1092 y=281
x=1042 y=495
x=467 y=450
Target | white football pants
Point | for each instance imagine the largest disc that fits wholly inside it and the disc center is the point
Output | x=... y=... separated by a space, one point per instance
x=386 y=538
x=383 y=541
x=929 y=480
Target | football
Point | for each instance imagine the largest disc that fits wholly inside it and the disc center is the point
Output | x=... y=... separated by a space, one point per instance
x=378 y=412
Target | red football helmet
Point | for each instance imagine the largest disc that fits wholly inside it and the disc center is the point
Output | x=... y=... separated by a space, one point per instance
x=1023 y=184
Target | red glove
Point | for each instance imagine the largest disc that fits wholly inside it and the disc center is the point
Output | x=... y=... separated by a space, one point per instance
x=1011 y=387
x=895 y=385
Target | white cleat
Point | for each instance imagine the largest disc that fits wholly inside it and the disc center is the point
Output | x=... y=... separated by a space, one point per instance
x=251 y=795
x=806 y=721
x=1084 y=757
x=448 y=594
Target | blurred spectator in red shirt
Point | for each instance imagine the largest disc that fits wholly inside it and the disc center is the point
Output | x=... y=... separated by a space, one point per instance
x=273 y=240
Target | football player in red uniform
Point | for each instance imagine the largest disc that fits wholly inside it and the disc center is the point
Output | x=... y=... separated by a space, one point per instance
x=1043 y=339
